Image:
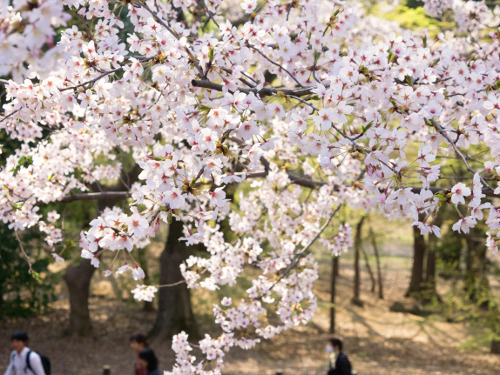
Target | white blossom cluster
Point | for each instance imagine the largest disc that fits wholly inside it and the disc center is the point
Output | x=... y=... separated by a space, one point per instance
x=358 y=113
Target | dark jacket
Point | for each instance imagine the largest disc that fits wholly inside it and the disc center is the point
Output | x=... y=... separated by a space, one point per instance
x=342 y=366
x=153 y=372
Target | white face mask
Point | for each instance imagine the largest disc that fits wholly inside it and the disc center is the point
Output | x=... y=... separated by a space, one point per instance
x=329 y=349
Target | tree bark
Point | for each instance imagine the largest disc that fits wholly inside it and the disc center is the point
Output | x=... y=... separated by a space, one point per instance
x=175 y=313
x=356 y=300
x=77 y=279
x=418 y=263
x=333 y=283
x=379 y=271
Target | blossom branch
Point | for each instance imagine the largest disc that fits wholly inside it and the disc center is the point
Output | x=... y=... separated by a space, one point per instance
x=305 y=249
x=94 y=80
x=23 y=251
x=441 y=131
x=10 y=114
x=175 y=35
x=275 y=63
x=265 y=91
x=95 y=196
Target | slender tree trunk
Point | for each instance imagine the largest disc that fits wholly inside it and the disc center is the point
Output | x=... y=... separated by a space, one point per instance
x=356 y=300
x=430 y=270
x=142 y=258
x=418 y=263
x=335 y=268
x=429 y=291
x=379 y=271
x=174 y=302
x=77 y=279
x=477 y=286
x=369 y=269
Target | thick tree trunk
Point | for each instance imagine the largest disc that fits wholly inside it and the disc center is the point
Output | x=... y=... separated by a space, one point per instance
x=418 y=263
x=335 y=270
x=379 y=271
x=77 y=279
x=356 y=300
x=174 y=302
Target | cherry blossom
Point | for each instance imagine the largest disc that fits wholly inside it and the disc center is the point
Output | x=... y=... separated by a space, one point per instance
x=269 y=116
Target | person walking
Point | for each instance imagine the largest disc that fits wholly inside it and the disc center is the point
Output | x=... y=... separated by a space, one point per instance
x=149 y=360
x=138 y=343
x=342 y=363
x=22 y=359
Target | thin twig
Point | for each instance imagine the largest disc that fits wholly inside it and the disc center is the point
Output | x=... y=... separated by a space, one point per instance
x=441 y=131
x=175 y=35
x=94 y=80
x=10 y=114
x=22 y=250
x=301 y=254
x=275 y=63
x=172 y=284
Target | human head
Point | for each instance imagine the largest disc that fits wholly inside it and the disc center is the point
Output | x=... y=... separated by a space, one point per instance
x=336 y=344
x=148 y=358
x=138 y=342
x=19 y=340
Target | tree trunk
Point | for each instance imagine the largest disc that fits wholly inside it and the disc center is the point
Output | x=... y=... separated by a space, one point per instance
x=418 y=263
x=430 y=270
x=477 y=286
x=356 y=300
x=142 y=258
x=495 y=347
x=379 y=271
x=335 y=268
x=369 y=269
x=174 y=302
x=429 y=291
x=77 y=279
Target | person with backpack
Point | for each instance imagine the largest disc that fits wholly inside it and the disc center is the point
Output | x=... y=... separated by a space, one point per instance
x=25 y=361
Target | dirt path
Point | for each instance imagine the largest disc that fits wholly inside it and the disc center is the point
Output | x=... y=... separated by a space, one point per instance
x=377 y=341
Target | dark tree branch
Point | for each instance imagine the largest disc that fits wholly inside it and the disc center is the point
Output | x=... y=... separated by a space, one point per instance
x=265 y=91
x=95 y=196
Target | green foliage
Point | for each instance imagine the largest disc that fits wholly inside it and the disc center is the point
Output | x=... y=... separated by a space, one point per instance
x=413 y=17
x=23 y=293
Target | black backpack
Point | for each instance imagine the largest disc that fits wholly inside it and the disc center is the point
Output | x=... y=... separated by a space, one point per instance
x=45 y=363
